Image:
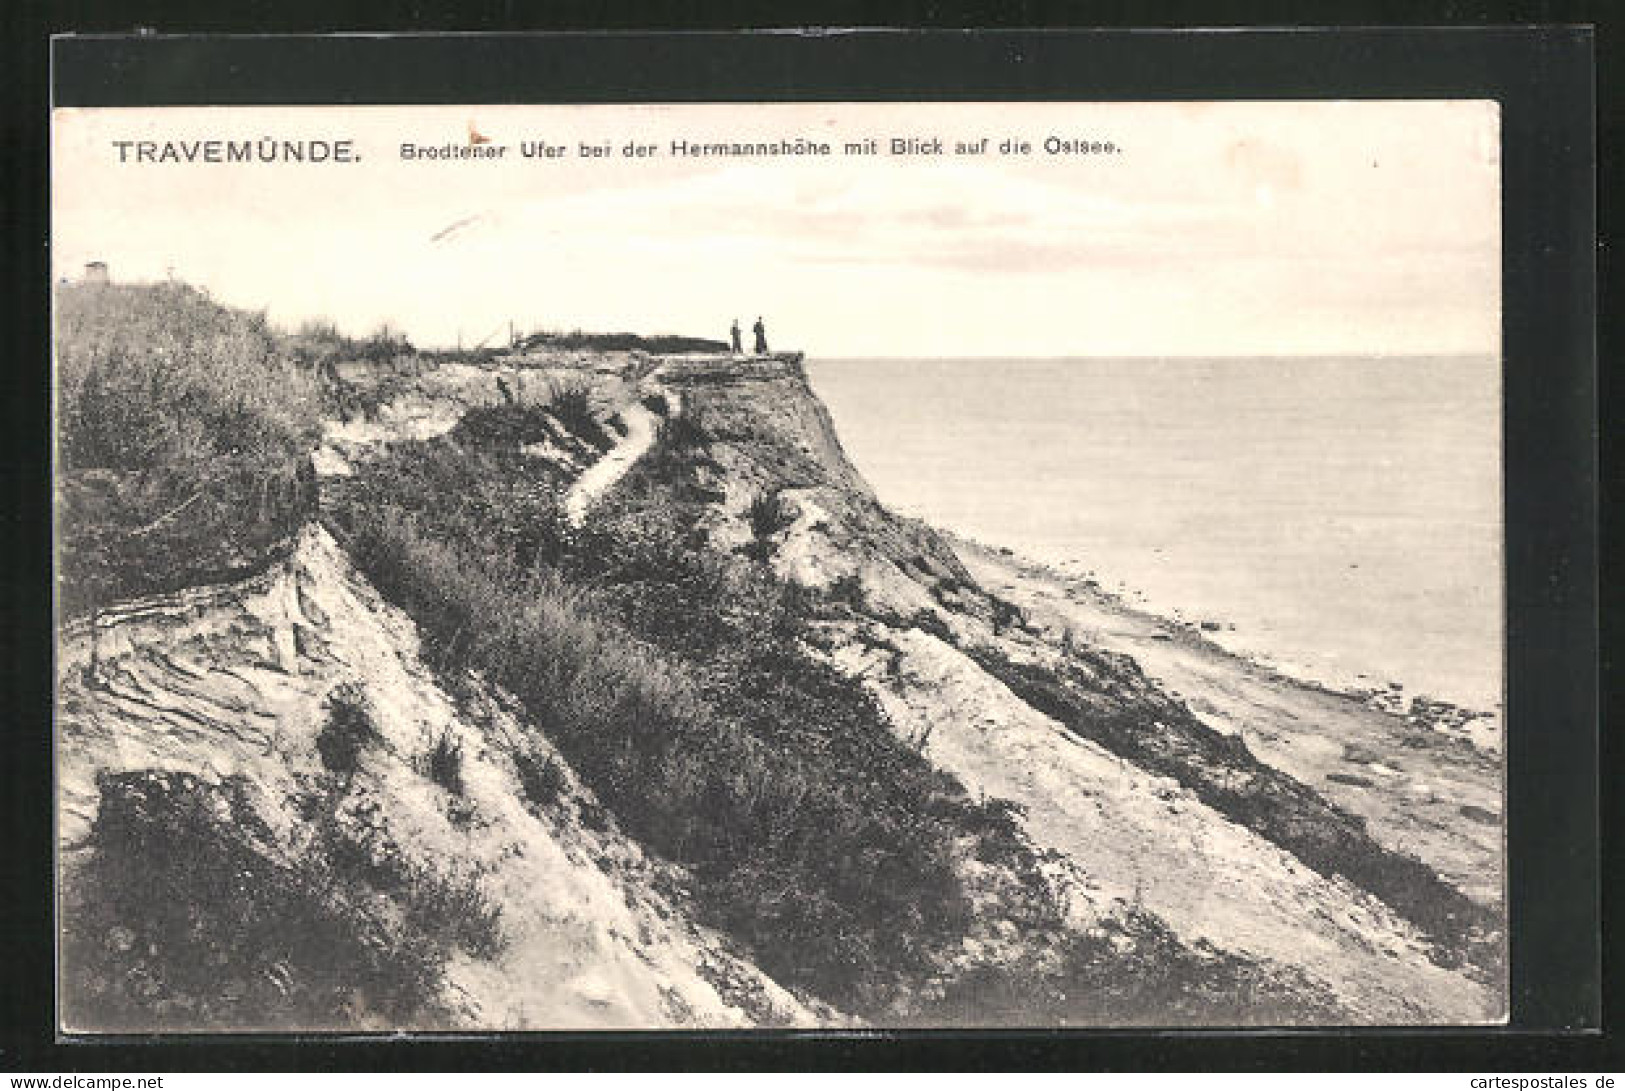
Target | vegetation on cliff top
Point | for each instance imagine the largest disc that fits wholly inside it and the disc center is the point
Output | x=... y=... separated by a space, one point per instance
x=158 y=375
x=619 y=342
x=182 y=431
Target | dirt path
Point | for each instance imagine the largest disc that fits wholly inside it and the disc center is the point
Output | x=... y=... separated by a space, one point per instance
x=601 y=476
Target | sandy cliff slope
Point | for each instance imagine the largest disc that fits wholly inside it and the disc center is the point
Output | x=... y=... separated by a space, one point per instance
x=1149 y=836
x=1195 y=791
x=234 y=683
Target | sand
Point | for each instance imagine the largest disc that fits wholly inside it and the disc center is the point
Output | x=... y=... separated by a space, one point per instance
x=1413 y=782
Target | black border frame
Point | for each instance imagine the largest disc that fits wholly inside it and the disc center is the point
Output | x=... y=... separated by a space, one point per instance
x=1543 y=78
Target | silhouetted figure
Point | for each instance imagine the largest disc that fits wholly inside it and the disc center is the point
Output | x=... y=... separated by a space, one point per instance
x=507 y=395
x=738 y=348
x=761 y=337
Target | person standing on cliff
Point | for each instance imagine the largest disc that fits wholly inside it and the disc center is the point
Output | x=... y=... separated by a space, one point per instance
x=738 y=348
x=761 y=337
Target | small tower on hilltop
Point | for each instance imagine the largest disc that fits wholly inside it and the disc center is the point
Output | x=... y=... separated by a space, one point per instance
x=96 y=272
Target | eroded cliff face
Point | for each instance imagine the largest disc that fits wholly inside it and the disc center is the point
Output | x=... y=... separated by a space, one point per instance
x=284 y=733
x=1149 y=805
x=773 y=441
x=208 y=728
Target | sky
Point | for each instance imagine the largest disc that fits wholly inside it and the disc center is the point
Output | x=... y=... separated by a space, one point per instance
x=1279 y=228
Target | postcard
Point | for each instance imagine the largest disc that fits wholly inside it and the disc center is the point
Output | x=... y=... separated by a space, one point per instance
x=782 y=565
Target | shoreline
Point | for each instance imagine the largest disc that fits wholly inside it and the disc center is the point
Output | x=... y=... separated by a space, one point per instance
x=1348 y=581
x=1424 y=787
x=1477 y=725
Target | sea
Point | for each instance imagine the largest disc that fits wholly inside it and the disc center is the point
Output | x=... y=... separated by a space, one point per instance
x=1339 y=518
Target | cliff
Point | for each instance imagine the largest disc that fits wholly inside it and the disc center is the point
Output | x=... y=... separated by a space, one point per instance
x=1154 y=805
x=454 y=899
x=610 y=695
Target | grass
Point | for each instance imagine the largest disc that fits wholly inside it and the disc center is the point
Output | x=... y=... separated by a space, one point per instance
x=1162 y=736
x=1131 y=970
x=510 y=426
x=683 y=433
x=182 y=433
x=620 y=342
x=158 y=375
x=676 y=689
x=674 y=681
x=765 y=516
x=121 y=534
x=564 y=417
x=188 y=915
x=540 y=778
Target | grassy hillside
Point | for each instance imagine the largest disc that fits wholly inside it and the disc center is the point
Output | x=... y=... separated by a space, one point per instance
x=158 y=375
x=182 y=433
x=812 y=834
x=674 y=676
x=675 y=679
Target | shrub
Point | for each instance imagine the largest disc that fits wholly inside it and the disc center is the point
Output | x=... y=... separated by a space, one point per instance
x=620 y=342
x=509 y=504
x=509 y=426
x=348 y=729
x=457 y=909
x=443 y=764
x=188 y=915
x=765 y=518
x=765 y=515
x=571 y=404
x=182 y=431
x=541 y=779
x=847 y=589
x=122 y=533
x=1006 y=615
x=684 y=432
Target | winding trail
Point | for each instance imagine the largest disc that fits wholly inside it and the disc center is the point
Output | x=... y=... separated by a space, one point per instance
x=601 y=476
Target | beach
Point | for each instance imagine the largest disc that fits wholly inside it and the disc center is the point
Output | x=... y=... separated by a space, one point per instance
x=1433 y=789
x=1337 y=518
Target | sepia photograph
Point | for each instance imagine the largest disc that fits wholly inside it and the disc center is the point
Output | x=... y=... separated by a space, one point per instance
x=779 y=566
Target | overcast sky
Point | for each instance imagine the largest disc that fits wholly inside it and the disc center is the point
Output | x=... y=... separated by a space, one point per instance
x=1220 y=229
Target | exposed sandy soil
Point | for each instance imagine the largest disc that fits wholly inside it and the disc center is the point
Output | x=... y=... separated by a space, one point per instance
x=1136 y=838
x=232 y=680
x=601 y=476
x=1411 y=783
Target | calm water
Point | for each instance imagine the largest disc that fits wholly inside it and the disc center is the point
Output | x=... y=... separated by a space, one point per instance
x=1343 y=514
